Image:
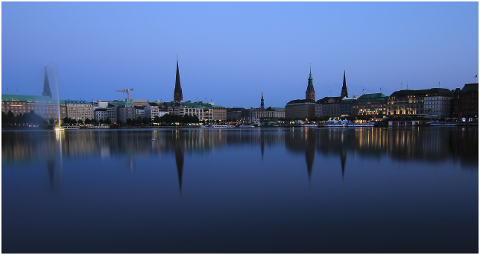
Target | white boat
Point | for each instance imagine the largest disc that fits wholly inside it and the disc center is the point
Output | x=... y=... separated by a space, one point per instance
x=222 y=126
x=70 y=127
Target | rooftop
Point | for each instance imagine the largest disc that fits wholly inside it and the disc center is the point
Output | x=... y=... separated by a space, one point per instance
x=28 y=98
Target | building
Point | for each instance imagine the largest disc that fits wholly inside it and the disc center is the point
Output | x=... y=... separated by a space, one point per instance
x=374 y=104
x=44 y=106
x=177 y=93
x=120 y=111
x=219 y=113
x=328 y=107
x=412 y=102
x=346 y=106
x=77 y=109
x=335 y=106
x=465 y=102
x=238 y=114
x=438 y=104
x=100 y=114
x=302 y=108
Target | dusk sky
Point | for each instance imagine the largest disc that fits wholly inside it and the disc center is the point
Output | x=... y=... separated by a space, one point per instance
x=229 y=53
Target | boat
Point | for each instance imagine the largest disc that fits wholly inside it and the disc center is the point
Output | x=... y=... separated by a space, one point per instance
x=218 y=126
x=222 y=126
x=69 y=127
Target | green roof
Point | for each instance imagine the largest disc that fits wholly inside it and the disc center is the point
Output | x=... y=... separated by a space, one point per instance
x=372 y=97
x=121 y=103
x=28 y=98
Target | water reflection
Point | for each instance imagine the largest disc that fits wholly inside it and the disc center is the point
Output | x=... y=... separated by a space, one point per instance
x=421 y=144
x=196 y=190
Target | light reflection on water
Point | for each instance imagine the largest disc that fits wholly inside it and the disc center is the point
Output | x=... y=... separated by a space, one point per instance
x=241 y=190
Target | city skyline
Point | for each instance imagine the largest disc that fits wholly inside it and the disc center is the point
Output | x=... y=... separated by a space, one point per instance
x=232 y=53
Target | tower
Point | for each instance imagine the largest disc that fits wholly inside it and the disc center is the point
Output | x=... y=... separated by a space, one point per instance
x=177 y=94
x=310 y=93
x=46 y=86
x=344 y=87
x=262 y=103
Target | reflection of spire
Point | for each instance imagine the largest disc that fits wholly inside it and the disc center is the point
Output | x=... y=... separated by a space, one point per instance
x=262 y=143
x=343 y=159
x=309 y=151
x=179 y=159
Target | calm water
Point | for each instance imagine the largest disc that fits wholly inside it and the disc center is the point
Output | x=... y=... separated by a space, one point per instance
x=249 y=190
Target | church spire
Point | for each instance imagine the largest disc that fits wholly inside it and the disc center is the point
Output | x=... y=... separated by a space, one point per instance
x=344 y=87
x=262 y=103
x=46 y=85
x=310 y=93
x=177 y=94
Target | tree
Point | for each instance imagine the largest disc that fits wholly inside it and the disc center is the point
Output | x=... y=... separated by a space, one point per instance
x=80 y=122
x=156 y=119
x=146 y=121
x=88 y=121
x=108 y=121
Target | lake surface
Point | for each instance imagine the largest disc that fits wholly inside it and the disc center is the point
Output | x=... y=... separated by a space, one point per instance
x=241 y=190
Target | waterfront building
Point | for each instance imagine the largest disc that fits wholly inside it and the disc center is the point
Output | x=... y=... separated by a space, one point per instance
x=177 y=93
x=44 y=106
x=151 y=110
x=112 y=112
x=374 y=104
x=219 y=113
x=124 y=110
x=139 y=111
x=465 y=102
x=335 y=106
x=300 y=108
x=438 y=104
x=203 y=110
x=412 y=102
x=77 y=109
x=303 y=108
x=329 y=106
x=346 y=106
x=238 y=113
x=100 y=114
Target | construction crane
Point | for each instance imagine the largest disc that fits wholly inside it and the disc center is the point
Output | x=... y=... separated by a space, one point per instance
x=126 y=90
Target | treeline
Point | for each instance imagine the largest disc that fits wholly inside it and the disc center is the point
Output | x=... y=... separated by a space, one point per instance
x=70 y=121
x=173 y=118
x=24 y=119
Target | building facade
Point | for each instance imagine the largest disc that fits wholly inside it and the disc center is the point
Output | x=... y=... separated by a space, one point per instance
x=77 y=109
x=465 y=102
x=44 y=106
x=370 y=105
x=412 y=102
x=300 y=108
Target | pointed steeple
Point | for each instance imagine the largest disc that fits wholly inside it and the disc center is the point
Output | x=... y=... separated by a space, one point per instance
x=46 y=85
x=344 y=87
x=310 y=93
x=177 y=94
x=262 y=103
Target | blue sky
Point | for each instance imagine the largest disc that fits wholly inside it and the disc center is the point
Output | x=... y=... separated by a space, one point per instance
x=230 y=52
